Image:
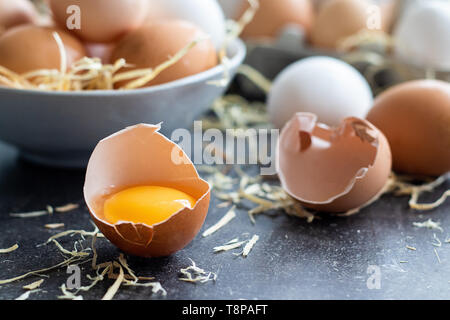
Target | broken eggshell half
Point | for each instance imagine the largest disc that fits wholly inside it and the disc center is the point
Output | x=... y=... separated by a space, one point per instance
x=332 y=169
x=138 y=156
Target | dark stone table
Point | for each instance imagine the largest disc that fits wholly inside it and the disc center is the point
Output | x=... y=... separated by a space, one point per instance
x=326 y=259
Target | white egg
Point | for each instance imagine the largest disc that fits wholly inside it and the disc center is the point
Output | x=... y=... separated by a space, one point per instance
x=206 y=14
x=231 y=7
x=422 y=36
x=330 y=88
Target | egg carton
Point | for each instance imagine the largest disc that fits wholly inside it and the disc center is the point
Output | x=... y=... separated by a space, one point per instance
x=381 y=69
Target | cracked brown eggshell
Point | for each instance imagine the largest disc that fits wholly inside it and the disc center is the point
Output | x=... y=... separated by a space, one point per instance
x=332 y=169
x=136 y=156
x=415 y=117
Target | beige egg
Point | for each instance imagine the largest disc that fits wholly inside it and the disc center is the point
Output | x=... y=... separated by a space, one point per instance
x=101 y=20
x=273 y=16
x=332 y=169
x=153 y=44
x=28 y=48
x=340 y=19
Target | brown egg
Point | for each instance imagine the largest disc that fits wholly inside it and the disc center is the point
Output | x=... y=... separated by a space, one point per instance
x=138 y=156
x=273 y=16
x=339 y=19
x=102 y=20
x=152 y=45
x=332 y=169
x=28 y=48
x=415 y=117
x=16 y=12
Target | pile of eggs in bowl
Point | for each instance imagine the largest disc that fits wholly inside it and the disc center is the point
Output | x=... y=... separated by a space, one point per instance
x=145 y=33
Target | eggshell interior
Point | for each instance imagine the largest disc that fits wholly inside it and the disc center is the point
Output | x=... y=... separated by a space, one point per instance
x=136 y=156
x=333 y=169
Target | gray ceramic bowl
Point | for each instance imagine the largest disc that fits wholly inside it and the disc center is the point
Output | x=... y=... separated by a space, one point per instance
x=61 y=129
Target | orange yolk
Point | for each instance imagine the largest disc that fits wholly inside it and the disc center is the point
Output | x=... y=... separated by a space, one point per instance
x=145 y=204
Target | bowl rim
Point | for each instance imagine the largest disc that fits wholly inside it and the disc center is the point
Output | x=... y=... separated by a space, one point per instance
x=237 y=46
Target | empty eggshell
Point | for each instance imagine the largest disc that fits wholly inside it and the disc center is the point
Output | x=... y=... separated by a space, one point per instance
x=423 y=33
x=415 y=117
x=332 y=169
x=101 y=20
x=339 y=19
x=327 y=87
x=136 y=156
x=273 y=16
x=205 y=14
x=13 y=13
x=153 y=44
x=28 y=48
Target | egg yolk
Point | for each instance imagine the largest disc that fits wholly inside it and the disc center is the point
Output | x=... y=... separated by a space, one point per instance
x=145 y=204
